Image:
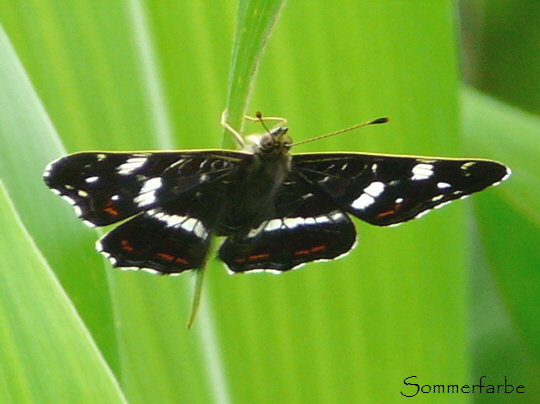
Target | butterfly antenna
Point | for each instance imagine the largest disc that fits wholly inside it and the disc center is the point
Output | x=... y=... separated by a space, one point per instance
x=263 y=119
x=196 y=295
x=259 y=116
x=372 y=122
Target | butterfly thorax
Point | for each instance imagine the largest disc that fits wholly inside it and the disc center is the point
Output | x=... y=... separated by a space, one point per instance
x=256 y=183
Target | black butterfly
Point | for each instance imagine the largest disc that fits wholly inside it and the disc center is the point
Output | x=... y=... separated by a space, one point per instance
x=275 y=210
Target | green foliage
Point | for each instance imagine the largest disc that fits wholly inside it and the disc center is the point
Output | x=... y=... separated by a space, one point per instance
x=47 y=354
x=140 y=75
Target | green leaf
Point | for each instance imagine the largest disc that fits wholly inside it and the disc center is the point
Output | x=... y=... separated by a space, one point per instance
x=255 y=20
x=28 y=142
x=508 y=229
x=511 y=135
x=47 y=354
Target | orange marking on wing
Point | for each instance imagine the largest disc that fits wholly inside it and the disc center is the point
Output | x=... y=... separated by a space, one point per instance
x=301 y=252
x=387 y=213
x=166 y=257
x=109 y=209
x=240 y=260
x=258 y=256
x=390 y=212
x=125 y=246
x=312 y=250
x=181 y=261
x=172 y=258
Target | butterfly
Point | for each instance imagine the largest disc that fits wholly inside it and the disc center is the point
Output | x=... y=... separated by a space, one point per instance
x=275 y=210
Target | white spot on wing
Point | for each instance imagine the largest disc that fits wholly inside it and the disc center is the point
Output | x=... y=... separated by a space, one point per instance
x=253 y=232
x=374 y=189
x=468 y=165
x=78 y=211
x=132 y=164
x=203 y=164
x=363 y=201
x=335 y=215
x=147 y=196
x=49 y=168
x=200 y=230
x=309 y=221
x=293 y=222
x=422 y=171
x=508 y=173
x=90 y=180
x=441 y=205
x=68 y=199
x=443 y=185
x=367 y=198
x=322 y=219
x=189 y=224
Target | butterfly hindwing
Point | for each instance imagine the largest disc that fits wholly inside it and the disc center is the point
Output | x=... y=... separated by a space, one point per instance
x=305 y=227
x=285 y=243
x=385 y=190
x=157 y=241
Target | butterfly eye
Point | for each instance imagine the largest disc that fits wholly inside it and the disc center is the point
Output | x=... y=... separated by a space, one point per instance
x=286 y=141
x=267 y=142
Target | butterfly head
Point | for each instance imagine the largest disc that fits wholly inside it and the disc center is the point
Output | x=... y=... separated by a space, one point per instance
x=275 y=142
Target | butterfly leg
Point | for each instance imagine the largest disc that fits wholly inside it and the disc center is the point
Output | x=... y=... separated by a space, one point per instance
x=237 y=136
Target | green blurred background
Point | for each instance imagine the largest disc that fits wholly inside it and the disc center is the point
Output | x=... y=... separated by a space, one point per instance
x=448 y=298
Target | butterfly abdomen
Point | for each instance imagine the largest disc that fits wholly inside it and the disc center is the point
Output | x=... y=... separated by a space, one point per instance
x=262 y=176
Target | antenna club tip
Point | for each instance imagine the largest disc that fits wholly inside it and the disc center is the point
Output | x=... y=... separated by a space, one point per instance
x=258 y=114
x=380 y=120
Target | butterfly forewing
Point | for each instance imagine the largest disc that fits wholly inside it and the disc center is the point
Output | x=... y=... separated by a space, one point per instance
x=385 y=190
x=103 y=186
x=106 y=188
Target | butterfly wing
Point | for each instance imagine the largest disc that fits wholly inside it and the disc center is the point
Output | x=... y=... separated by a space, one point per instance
x=306 y=226
x=173 y=196
x=385 y=190
x=106 y=188
x=157 y=241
